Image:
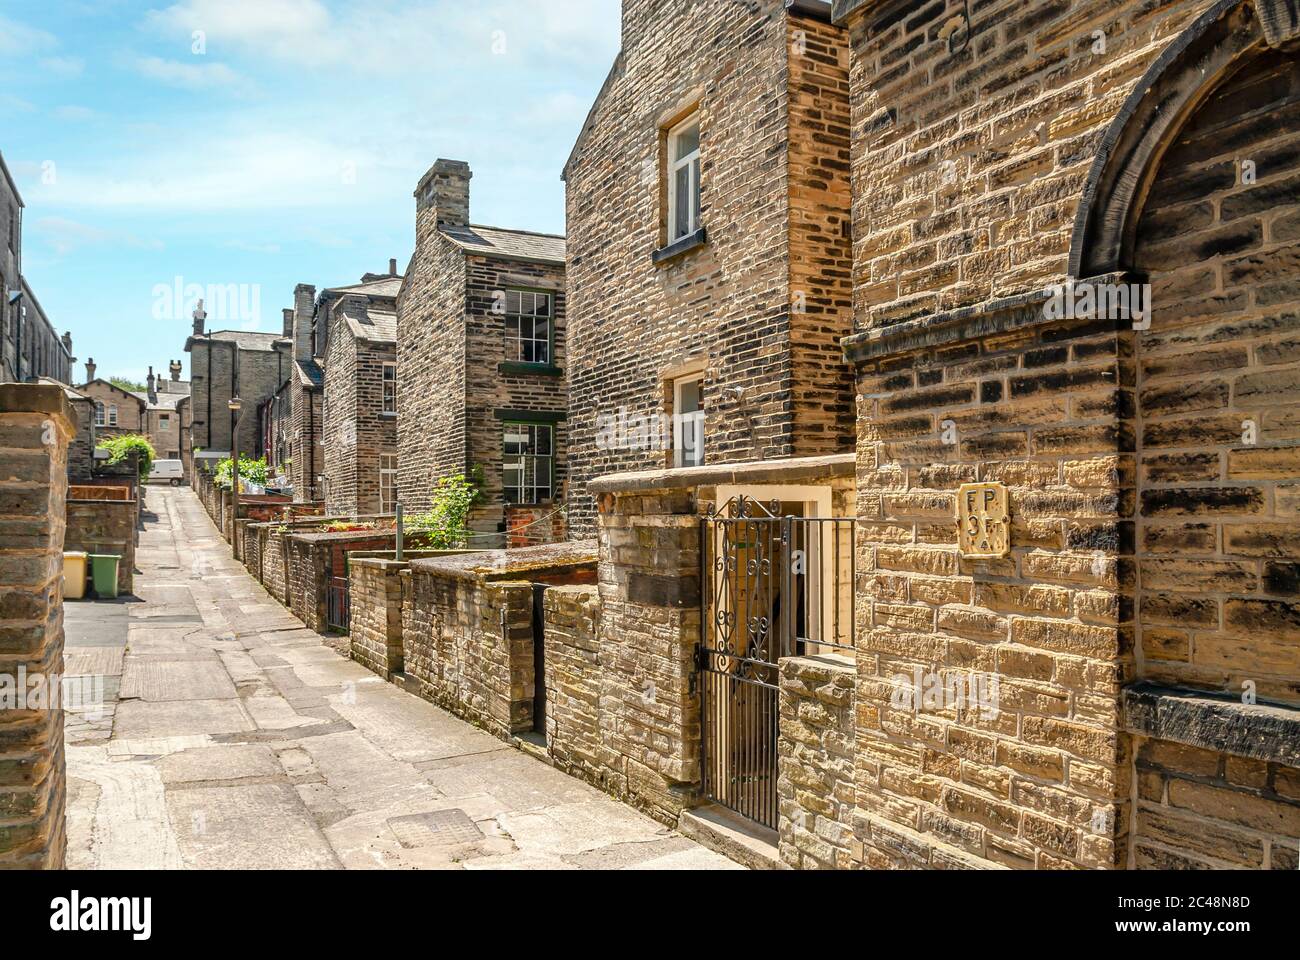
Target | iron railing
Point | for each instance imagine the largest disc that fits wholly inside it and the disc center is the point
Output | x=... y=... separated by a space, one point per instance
x=338 y=604
x=774 y=586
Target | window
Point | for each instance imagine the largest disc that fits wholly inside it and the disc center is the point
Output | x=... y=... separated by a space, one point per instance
x=388 y=483
x=529 y=462
x=688 y=422
x=684 y=179
x=528 y=326
x=164 y=421
x=112 y=415
x=100 y=414
x=390 y=389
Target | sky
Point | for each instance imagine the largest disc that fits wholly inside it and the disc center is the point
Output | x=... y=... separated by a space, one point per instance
x=247 y=146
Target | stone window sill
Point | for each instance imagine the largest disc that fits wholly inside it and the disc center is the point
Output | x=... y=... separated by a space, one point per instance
x=681 y=247
x=1218 y=722
x=511 y=368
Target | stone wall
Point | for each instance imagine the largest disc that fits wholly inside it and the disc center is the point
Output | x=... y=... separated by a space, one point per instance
x=758 y=306
x=36 y=426
x=815 y=761
x=573 y=671
x=376 y=628
x=107 y=527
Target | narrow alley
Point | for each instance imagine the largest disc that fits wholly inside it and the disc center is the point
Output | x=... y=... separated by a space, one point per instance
x=233 y=737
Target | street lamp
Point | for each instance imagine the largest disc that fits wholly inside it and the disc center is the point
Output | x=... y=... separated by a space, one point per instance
x=236 y=405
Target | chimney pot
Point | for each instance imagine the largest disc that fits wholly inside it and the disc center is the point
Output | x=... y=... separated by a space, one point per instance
x=200 y=316
x=176 y=370
x=90 y=369
x=392 y=267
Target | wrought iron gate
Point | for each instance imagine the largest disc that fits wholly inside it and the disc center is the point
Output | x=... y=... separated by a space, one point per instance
x=774 y=586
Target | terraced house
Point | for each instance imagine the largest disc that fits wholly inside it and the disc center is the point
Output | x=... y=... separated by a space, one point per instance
x=709 y=249
x=1075 y=301
x=481 y=360
x=358 y=326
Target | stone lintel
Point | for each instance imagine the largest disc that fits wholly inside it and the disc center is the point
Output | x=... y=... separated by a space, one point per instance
x=1217 y=722
x=966 y=323
x=798 y=470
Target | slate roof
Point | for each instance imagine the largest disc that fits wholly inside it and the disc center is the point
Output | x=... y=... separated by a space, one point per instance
x=246 y=339
x=507 y=244
x=165 y=401
x=387 y=287
x=379 y=325
x=309 y=373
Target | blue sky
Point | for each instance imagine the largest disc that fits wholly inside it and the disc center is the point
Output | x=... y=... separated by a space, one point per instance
x=279 y=144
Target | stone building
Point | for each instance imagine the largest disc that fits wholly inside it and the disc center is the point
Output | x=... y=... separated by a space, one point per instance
x=232 y=363
x=481 y=357
x=709 y=256
x=1076 y=284
x=357 y=328
x=163 y=416
x=29 y=346
x=117 y=411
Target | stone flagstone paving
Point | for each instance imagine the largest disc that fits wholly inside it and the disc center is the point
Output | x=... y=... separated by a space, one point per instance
x=233 y=737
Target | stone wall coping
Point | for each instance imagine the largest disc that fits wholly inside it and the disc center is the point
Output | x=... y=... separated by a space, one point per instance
x=341 y=536
x=494 y=565
x=964 y=323
x=1217 y=722
x=711 y=475
x=44 y=398
x=828 y=663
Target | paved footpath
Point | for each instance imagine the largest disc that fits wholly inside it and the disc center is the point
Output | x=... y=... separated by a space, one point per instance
x=233 y=737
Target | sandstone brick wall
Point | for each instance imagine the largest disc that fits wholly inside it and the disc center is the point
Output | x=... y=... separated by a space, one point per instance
x=649 y=630
x=775 y=220
x=36 y=425
x=218 y=369
x=1201 y=809
x=1218 y=397
x=969 y=167
x=431 y=368
x=108 y=527
x=573 y=670
x=464 y=656
x=376 y=627
x=492 y=388
x=815 y=761
x=357 y=433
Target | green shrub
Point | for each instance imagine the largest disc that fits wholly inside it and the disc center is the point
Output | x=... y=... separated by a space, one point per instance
x=250 y=471
x=120 y=448
x=446 y=525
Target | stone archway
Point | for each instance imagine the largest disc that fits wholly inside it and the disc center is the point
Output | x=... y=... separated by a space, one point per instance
x=1197 y=63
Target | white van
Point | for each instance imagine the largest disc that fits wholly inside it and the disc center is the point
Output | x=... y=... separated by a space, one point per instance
x=169 y=470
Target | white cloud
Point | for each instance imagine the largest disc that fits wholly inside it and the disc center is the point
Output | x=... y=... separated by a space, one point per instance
x=65 y=236
x=74 y=113
x=193 y=76
x=393 y=36
x=17 y=38
x=67 y=67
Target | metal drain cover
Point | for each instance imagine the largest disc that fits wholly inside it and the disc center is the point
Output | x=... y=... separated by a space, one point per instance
x=438 y=829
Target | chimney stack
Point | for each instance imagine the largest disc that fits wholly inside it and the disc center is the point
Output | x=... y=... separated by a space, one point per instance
x=175 y=371
x=90 y=369
x=392 y=267
x=152 y=382
x=200 y=317
x=444 y=192
x=304 y=309
x=67 y=342
x=288 y=323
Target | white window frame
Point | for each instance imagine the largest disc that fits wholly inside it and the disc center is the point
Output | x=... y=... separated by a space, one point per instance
x=515 y=339
x=691 y=160
x=681 y=427
x=524 y=466
x=387 y=483
x=112 y=415
x=384 y=385
x=101 y=414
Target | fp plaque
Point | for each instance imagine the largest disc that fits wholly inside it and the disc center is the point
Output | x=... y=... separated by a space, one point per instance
x=983 y=521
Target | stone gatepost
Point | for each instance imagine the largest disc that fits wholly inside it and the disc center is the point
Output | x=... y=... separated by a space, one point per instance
x=649 y=632
x=36 y=425
x=376 y=629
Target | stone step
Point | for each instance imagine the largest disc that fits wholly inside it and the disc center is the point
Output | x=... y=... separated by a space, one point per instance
x=731 y=835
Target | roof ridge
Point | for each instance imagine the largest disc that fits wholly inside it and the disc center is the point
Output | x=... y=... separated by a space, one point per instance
x=527 y=233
